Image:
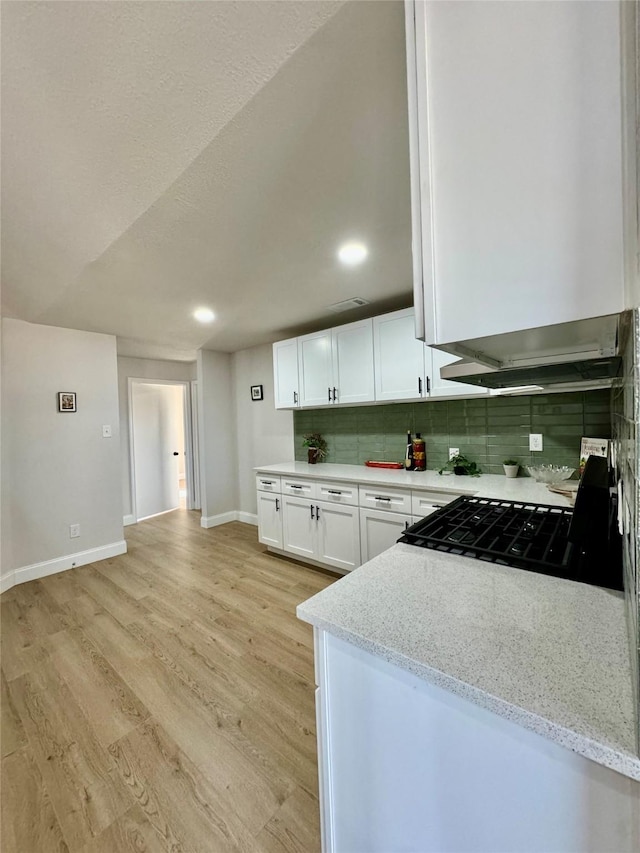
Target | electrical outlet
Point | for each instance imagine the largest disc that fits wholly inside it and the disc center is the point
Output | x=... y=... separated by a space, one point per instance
x=106 y=431
x=74 y=531
x=454 y=451
x=535 y=441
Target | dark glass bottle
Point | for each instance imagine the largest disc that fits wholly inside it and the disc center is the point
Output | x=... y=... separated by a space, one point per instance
x=408 y=459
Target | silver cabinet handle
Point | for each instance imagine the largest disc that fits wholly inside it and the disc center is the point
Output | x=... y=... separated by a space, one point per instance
x=334 y=492
x=312 y=515
x=277 y=505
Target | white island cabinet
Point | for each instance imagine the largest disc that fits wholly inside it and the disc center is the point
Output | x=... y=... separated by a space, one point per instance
x=470 y=707
x=516 y=164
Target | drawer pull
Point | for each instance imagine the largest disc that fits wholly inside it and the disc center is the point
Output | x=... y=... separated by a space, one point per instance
x=293 y=486
x=277 y=505
x=334 y=492
x=381 y=498
x=267 y=482
x=312 y=515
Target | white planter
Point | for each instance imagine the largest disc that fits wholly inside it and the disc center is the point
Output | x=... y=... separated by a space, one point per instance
x=511 y=471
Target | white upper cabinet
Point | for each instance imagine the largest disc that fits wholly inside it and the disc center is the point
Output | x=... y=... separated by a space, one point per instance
x=353 y=362
x=516 y=162
x=399 y=357
x=315 y=368
x=285 y=374
x=336 y=365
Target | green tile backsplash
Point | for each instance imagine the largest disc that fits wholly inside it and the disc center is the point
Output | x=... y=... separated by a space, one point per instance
x=486 y=430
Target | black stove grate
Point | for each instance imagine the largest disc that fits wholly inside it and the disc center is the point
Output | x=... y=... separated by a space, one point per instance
x=510 y=533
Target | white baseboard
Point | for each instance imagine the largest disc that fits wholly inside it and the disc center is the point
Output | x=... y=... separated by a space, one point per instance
x=128 y=519
x=61 y=564
x=215 y=520
x=226 y=517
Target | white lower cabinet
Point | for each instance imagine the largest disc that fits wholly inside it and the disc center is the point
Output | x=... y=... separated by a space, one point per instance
x=380 y=530
x=325 y=532
x=270 y=519
x=338 y=540
x=299 y=526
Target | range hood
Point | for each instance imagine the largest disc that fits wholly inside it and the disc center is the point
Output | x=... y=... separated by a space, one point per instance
x=579 y=354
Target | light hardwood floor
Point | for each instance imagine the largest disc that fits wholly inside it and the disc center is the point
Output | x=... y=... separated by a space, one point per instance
x=162 y=700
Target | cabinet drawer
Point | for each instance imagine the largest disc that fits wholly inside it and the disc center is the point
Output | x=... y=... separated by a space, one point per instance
x=337 y=493
x=424 y=503
x=268 y=483
x=299 y=488
x=381 y=497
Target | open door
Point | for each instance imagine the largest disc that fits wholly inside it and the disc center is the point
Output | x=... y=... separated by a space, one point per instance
x=158 y=446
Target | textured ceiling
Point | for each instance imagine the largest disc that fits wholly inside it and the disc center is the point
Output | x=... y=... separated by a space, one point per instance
x=161 y=156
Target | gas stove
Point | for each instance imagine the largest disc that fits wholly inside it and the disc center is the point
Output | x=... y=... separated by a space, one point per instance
x=536 y=537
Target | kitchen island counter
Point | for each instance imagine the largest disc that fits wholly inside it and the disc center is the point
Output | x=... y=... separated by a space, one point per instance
x=548 y=654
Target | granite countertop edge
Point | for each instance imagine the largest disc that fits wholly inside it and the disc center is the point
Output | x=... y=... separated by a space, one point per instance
x=621 y=761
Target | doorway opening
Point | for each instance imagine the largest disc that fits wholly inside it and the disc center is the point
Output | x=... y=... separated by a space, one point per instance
x=161 y=444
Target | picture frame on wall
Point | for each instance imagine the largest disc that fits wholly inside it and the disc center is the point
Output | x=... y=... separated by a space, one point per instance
x=67 y=401
x=256 y=392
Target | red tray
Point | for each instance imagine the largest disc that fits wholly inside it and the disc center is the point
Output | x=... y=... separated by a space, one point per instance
x=373 y=463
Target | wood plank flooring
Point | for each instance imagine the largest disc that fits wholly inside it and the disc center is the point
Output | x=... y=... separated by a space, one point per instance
x=162 y=700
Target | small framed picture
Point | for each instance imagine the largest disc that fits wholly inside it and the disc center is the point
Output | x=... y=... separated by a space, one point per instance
x=66 y=401
x=256 y=392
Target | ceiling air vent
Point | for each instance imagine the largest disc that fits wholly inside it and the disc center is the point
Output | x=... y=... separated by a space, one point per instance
x=348 y=304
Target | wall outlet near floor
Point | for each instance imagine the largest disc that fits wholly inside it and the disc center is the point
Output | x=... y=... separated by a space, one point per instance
x=454 y=451
x=74 y=531
x=535 y=441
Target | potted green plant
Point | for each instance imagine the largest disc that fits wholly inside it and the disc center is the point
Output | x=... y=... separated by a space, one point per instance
x=461 y=465
x=511 y=468
x=316 y=446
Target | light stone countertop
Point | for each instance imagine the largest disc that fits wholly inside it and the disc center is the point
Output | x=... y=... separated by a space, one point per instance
x=488 y=485
x=549 y=654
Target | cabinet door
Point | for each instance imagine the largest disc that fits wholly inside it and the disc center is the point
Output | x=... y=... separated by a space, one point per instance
x=285 y=374
x=299 y=528
x=380 y=530
x=399 y=357
x=353 y=362
x=270 y=519
x=315 y=369
x=445 y=387
x=338 y=536
x=523 y=232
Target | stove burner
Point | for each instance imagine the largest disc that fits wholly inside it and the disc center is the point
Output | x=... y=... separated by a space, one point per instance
x=528 y=536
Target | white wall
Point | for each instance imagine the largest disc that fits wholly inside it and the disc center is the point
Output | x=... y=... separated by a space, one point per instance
x=265 y=434
x=218 y=445
x=142 y=368
x=57 y=469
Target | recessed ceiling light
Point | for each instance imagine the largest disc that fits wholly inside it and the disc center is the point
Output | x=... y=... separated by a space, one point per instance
x=204 y=315
x=352 y=253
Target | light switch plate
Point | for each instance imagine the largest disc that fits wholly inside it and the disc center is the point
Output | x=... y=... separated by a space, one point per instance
x=535 y=441
x=106 y=431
